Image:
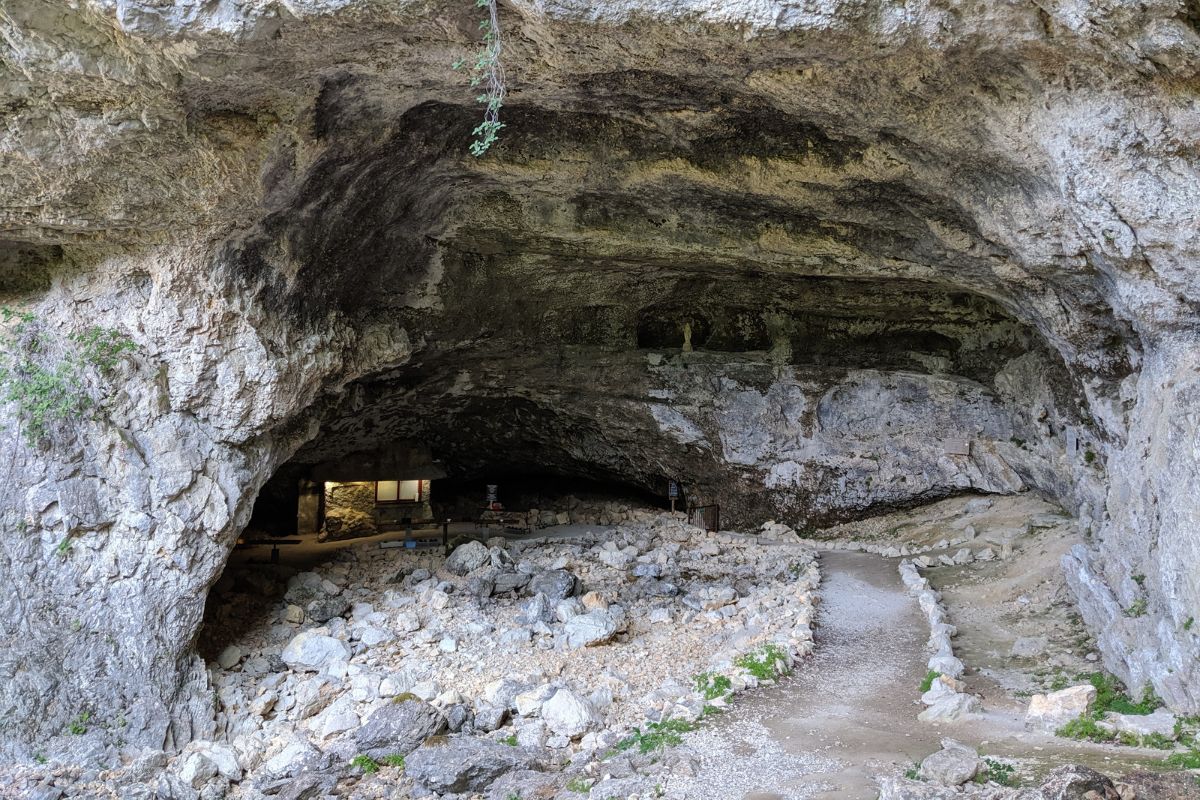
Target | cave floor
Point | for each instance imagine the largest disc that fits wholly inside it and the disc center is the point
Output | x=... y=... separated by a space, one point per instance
x=849 y=712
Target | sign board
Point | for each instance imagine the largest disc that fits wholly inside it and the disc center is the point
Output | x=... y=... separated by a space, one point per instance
x=672 y=489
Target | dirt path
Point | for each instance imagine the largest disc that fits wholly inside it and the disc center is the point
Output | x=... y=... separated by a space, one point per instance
x=848 y=712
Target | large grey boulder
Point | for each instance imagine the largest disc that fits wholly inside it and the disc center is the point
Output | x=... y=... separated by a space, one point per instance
x=567 y=714
x=950 y=708
x=1074 y=782
x=468 y=558
x=592 y=628
x=399 y=727
x=444 y=765
x=1053 y=710
x=1161 y=723
x=311 y=652
x=556 y=584
x=953 y=765
x=509 y=581
x=320 y=599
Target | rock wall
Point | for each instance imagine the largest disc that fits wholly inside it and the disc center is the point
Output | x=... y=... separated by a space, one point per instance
x=966 y=217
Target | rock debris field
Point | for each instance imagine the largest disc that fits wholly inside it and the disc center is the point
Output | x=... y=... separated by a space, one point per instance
x=510 y=668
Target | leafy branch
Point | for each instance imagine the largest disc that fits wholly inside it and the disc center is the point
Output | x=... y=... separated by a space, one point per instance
x=487 y=75
x=46 y=377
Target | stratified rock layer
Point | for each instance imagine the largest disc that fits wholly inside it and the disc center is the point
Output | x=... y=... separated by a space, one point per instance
x=812 y=260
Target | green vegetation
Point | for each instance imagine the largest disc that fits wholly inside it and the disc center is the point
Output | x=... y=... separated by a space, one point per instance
x=1139 y=579
x=39 y=758
x=364 y=762
x=1188 y=760
x=913 y=773
x=512 y=796
x=1017 y=442
x=487 y=75
x=1187 y=626
x=1111 y=697
x=78 y=726
x=766 y=663
x=657 y=735
x=927 y=683
x=1084 y=728
x=712 y=686
x=1089 y=456
x=1137 y=608
x=997 y=772
x=579 y=785
x=393 y=760
x=47 y=378
x=510 y=740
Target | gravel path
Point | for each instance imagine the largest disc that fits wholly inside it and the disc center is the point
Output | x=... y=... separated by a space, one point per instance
x=846 y=713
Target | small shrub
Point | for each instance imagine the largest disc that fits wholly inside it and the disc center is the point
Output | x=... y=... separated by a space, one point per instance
x=1137 y=608
x=766 y=663
x=1139 y=579
x=913 y=773
x=78 y=726
x=927 y=682
x=1089 y=456
x=510 y=740
x=1187 y=626
x=365 y=763
x=712 y=686
x=997 y=772
x=1084 y=728
x=39 y=758
x=393 y=760
x=1188 y=760
x=1157 y=741
x=657 y=736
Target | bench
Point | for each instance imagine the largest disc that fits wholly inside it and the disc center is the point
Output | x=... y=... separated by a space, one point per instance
x=273 y=542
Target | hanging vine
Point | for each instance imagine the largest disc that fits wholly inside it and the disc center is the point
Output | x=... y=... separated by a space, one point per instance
x=487 y=75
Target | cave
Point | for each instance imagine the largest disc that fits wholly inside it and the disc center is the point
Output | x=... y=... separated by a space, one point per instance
x=804 y=266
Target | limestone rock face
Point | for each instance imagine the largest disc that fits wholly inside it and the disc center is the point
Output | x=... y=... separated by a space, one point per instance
x=813 y=260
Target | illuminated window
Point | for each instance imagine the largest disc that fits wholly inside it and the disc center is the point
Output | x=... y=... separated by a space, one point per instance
x=397 y=491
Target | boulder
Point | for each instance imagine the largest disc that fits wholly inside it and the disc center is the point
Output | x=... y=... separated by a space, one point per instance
x=1075 y=782
x=592 y=628
x=556 y=584
x=536 y=609
x=320 y=600
x=399 y=727
x=468 y=558
x=508 y=581
x=1052 y=711
x=311 y=651
x=953 y=765
x=1161 y=722
x=950 y=708
x=467 y=764
x=567 y=714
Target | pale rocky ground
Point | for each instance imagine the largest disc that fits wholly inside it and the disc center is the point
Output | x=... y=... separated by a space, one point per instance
x=399 y=621
x=303 y=659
